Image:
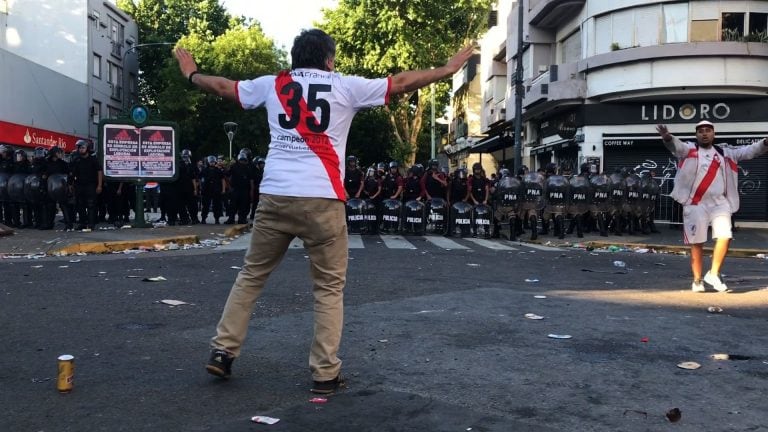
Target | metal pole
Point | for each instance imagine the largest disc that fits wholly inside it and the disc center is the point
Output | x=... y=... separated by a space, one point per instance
x=432 y=90
x=519 y=89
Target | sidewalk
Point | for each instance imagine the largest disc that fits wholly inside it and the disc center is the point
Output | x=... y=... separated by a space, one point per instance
x=747 y=242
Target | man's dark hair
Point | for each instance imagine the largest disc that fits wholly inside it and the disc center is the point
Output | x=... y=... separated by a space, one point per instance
x=311 y=49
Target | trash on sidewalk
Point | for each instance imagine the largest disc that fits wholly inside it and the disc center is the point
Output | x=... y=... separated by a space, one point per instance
x=473 y=265
x=761 y=256
x=714 y=309
x=264 y=420
x=174 y=302
x=644 y=339
x=729 y=357
x=674 y=415
x=620 y=264
x=532 y=316
x=531 y=280
x=689 y=365
x=559 y=336
x=154 y=279
x=539 y=296
x=318 y=400
x=74 y=261
x=236 y=267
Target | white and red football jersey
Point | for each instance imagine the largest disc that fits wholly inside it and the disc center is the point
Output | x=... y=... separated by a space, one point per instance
x=309 y=113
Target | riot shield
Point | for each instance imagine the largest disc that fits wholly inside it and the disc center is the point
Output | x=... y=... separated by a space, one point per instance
x=556 y=195
x=601 y=192
x=34 y=188
x=4 y=187
x=533 y=192
x=437 y=216
x=370 y=217
x=414 y=220
x=634 y=192
x=390 y=216
x=460 y=223
x=508 y=197
x=482 y=221
x=58 y=190
x=16 y=188
x=579 y=194
x=355 y=218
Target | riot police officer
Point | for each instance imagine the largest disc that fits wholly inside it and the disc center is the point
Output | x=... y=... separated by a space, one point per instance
x=6 y=170
x=88 y=180
x=35 y=188
x=434 y=183
x=187 y=187
x=392 y=183
x=213 y=187
x=477 y=185
x=242 y=183
x=412 y=184
x=459 y=189
x=353 y=178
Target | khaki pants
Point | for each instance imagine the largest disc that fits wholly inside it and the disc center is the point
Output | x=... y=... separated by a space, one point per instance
x=321 y=224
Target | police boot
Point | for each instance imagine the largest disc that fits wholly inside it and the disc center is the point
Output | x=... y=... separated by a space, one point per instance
x=533 y=223
x=579 y=228
x=560 y=227
x=601 y=225
x=571 y=226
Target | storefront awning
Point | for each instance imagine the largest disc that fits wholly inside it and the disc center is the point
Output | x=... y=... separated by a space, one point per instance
x=555 y=145
x=490 y=144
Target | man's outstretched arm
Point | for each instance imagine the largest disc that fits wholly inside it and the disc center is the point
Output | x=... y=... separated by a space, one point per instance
x=407 y=81
x=216 y=85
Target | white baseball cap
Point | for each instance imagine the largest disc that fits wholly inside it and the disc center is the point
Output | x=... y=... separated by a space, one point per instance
x=705 y=123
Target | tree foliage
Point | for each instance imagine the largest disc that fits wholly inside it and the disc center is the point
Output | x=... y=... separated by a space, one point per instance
x=382 y=37
x=222 y=45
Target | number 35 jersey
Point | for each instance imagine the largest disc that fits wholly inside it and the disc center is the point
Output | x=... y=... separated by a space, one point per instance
x=309 y=112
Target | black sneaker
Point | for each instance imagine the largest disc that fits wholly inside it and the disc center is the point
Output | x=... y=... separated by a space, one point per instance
x=328 y=387
x=220 y=364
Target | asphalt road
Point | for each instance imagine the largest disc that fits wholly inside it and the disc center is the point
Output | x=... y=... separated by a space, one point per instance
x=434 y=340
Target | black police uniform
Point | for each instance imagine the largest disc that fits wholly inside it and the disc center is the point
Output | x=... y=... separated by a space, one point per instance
x=240 y=179
x=85 y=176
x=211 y=195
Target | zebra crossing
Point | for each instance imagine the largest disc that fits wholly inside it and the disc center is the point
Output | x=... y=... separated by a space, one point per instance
x=397 y=242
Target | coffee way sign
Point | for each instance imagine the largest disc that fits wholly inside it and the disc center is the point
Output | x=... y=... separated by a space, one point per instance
x=675 y=112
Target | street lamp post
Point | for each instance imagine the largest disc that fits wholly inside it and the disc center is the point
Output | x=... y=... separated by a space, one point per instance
x=122 y=64
x=230 y=128
x=432 y=128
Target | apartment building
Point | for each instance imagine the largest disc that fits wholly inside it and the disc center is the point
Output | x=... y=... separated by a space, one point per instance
x=63 y=67
x=598 y=75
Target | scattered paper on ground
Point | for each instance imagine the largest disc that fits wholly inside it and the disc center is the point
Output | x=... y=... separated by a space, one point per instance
x=174 y=302
x=154 y=279
x=264 y=420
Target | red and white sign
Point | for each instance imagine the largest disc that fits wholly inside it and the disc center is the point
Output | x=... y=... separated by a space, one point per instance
x=28 y=136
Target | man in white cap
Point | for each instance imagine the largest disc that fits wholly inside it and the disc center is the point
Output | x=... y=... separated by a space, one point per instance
x=706 y=184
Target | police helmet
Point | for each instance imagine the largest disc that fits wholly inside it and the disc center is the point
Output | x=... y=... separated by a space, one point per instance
x=551 y=168
x=370 y=172
x=477 y=166
x=40 y=153
x=20 y=155
x=381 y=166
x=55 y=151
x=81 y=143
x=186 y=154
x=584 y=168
x=461 y=173
x=247 y=152
x=394 y=164
x=242 y=157
x=211 y=160
x=260 y=160
x=5 y=150
x=417 y=170
x=433 y=163
x=504 y=173
x=351 y=158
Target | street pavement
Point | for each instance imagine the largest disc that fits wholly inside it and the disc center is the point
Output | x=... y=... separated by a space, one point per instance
x=435 y=338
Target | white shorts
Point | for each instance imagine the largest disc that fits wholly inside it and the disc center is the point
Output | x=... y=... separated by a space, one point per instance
x=696 y=219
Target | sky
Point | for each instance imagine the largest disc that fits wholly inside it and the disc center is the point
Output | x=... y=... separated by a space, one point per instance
x=282 y=20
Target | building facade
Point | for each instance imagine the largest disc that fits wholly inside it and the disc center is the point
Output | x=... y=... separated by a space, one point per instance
x=63 y=67
x=598 y=75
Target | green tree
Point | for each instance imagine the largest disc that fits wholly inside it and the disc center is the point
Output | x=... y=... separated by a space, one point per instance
x=381 y=37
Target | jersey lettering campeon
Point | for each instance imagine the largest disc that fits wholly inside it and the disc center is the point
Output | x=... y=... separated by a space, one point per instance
x=309 y=113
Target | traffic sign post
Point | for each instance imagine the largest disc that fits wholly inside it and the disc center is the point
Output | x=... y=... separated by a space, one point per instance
x=138 y=151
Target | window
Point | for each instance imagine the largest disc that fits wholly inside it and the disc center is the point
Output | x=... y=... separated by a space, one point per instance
x=114 y=73
x=95 y=17
x=113 y=112
x=97 y=65
x=571 y=48
x=110 y=73
x=758 y=27
x=733 y=25
x=96 y=111
x=676 y=23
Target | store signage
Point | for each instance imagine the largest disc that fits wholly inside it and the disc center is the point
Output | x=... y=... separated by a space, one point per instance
x=687 y=111
x=131 y=152
x=28 y=136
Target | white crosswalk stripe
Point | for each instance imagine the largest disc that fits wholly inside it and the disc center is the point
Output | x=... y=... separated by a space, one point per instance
x=396 y=242
x=445 y=243
x=495 y=245
x=357 y=241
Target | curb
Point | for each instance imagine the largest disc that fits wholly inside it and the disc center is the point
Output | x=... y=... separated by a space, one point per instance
x=679 y=249
x=113 y=246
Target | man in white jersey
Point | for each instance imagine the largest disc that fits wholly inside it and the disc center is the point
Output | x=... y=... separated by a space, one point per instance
x=706 y=184
x=309 y=110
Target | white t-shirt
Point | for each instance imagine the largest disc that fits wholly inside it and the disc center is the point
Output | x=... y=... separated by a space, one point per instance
x=309 y=113
x=715 y=193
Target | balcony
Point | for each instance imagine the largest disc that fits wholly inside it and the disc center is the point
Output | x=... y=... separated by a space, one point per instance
x=552 y=13
x=117 y=49
x=560 y=84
